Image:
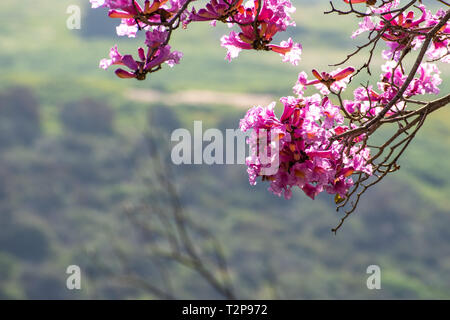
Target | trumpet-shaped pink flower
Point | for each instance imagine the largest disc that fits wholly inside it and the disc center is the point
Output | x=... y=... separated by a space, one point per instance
x=289 y=50
x=325 y=81
x=115 y=58
x=217 y=10
x=273 y=17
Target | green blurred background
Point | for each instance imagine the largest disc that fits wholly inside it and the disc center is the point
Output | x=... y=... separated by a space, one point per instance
x=72 y=160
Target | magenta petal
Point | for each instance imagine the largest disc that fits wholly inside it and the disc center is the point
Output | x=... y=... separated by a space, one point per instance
x=124 y=74
x=321 y=154
x=161 y=57
x=344 y=73
x=119 y=14
x=141 y=54
x=288 y=110
x=309 y=190
x=312 y=82
x=128 y=60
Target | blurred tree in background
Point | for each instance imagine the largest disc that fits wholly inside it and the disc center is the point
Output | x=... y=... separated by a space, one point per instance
x=87 y=116
x=19 y=117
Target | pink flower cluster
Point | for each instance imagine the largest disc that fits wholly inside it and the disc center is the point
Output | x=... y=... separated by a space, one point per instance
x=408 y=33
x=258 y=26
x=324 y=81
x=369 y=102
x=408 y=30
x=148 y=62
x=158 y=18
x=134 y=17
x=306 y=157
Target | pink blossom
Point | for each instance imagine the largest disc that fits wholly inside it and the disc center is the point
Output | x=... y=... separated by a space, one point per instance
x=115 y=58
x=289 y=50
x=216 y=10
x=336 y=80
x=273 y=17
x=307 y=159
x=147 y=62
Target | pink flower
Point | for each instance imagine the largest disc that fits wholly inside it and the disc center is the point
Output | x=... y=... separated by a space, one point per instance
x=128 y=28
x=385 y=7
x=126 y=5
x=216 y=10
x=398 y=35
x=156 y=37
x=97 y=3
x=273 y=17
x=324 y=81
x=147 y=63
x=234 y=45
x=289 y=50
x=115 y=58
x=439 y=50
x=364 y=26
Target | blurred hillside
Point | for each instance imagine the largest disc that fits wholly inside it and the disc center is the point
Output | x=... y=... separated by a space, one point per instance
x=74 y=156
